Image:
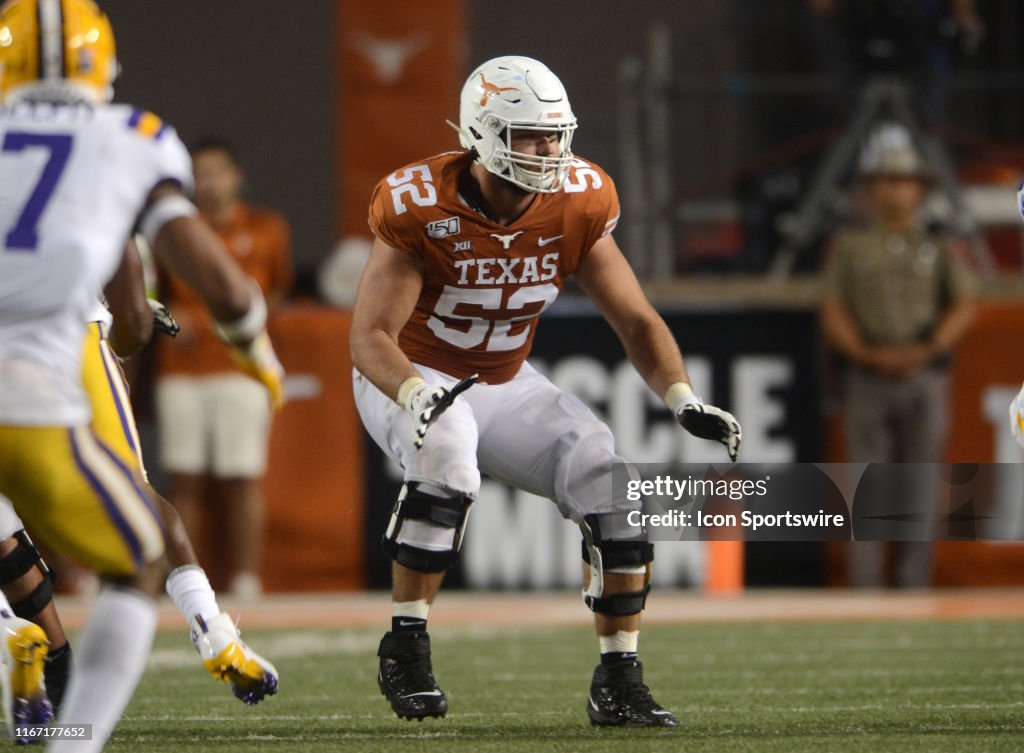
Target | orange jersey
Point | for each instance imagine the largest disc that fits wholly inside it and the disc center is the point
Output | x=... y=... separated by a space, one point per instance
x=260 y=241
x=485 y=284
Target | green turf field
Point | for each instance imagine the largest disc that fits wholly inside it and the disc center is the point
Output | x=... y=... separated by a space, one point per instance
x=843 y=686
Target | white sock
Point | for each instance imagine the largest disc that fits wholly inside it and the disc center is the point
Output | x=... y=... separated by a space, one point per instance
x=110 y=657
x=190 y=590
x=624 y=642
x=419 y=609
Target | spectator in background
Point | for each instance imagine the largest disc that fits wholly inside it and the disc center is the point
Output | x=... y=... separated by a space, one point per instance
x=214 y=421
x=897 y=301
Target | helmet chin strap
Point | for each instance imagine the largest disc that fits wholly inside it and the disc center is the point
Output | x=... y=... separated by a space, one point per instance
x=465 y=135
x=458 y=129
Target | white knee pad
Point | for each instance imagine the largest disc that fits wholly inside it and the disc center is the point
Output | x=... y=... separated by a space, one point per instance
x=426 y=527
x=603 y=555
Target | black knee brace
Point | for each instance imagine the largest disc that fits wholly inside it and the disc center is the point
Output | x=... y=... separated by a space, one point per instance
x=18 y=562
x=445 y=512
x=612 y=554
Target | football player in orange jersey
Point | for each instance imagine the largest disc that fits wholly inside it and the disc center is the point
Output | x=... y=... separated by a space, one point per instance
x=470 y=247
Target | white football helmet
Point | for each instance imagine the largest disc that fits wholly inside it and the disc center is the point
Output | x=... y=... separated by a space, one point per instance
x=516 y=93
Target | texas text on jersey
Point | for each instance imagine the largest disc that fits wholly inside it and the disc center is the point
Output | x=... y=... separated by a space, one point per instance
x=485 y=284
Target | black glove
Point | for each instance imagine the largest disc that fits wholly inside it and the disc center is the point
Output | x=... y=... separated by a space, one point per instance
x=709 y=422
x=163 y=322
x=427 y=402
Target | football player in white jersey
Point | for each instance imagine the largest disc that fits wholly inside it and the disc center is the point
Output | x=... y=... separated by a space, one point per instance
x=131 y=321
x=78 y=175
x=121 y=327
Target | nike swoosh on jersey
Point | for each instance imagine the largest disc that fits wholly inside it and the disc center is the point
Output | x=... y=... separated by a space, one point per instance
x=546 y=241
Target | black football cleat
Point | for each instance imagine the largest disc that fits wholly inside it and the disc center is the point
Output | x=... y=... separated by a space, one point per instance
x=406 y=677
x=619 y=698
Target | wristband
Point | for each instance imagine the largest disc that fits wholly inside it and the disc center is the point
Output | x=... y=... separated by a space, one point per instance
x=162 y=211
x=251 y=323
x=677 y=392
x=406 y=388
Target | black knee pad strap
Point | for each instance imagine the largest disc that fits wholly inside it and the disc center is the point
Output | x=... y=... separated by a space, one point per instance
x=35 y=602
x=447 y=512
x=420 y=560
x=17 y=563
x=620 y=604
x=622 y=553
x=21 y=559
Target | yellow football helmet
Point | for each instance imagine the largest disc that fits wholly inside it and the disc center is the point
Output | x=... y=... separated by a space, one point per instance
x=56 y=51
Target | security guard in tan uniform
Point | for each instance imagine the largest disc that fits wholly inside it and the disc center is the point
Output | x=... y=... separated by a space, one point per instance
x=897 y=300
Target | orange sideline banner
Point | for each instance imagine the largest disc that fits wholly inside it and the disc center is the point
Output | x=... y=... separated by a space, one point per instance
x=987 y=373
x=314 y=484
x=400 y=67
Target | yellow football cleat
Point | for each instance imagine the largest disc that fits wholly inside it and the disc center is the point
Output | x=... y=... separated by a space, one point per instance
x=23 y=651
x=227 y=657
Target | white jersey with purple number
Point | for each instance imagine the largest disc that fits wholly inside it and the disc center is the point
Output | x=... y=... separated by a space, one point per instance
x=73 y=180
